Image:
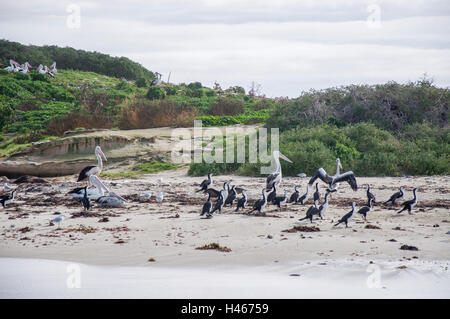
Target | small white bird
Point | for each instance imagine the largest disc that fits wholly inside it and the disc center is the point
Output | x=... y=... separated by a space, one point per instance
x=6 y=187
x=58 y=219
x=146 y=195
x=160 y=197
x=160 y=180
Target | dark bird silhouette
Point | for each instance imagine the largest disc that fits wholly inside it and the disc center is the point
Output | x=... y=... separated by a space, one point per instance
x=408 y=205
x=272 y=194
x=207 y=206
x=295 y=195
x=316 y=195
x=395 y=196
x=242 y=201
x=347 y=216
x=85 y=200
x=365 y=209
x=231 y=196
x=260 y=203
x=280 y=200
x=370 y=196
x=7 y=198
x=205 y=184
x=312 y=210
x=305 y=196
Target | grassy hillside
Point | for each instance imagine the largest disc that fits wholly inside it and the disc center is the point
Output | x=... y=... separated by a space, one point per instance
x=69 y=58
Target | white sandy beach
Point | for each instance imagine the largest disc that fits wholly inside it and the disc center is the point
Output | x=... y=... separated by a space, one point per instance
x=263 y=262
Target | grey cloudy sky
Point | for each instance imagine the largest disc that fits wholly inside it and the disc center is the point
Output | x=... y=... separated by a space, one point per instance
x=287 y=46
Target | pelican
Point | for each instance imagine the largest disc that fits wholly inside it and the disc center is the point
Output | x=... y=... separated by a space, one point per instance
x=93 y=169
x=52 y=71
x=112 y=200
x=347 y=216
x=25 y=67
x=13 y=66
x=408 y=205
x=41 y=69
x=157 y=80
x=275 y=177
x=333 y=181
x=94 y=194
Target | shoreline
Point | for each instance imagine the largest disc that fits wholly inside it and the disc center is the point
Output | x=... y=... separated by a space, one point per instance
x=38 y=278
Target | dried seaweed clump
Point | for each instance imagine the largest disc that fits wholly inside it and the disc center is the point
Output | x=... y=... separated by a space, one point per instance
x=214 y=246
x=307 y=229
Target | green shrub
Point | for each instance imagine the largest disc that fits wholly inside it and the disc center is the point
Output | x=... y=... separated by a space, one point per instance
x=195 y=86
x=170 y=90
x=155 y=92
x=142 y=83
x=21 y=76
x=36 y=76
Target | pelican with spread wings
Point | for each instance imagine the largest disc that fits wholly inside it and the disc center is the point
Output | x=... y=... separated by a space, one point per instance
x=333 y=181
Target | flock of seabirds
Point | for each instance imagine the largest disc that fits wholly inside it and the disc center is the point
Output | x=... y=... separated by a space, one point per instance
x=228 y=196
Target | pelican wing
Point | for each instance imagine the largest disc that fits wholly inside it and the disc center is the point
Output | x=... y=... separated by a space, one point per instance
x=322 y=174
x=84 y=173
x=348 y=177
x=271 y=180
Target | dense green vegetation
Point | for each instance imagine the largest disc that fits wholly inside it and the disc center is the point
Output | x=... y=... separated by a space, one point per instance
x=381 y=130
x=69 y=58
x=421 y=149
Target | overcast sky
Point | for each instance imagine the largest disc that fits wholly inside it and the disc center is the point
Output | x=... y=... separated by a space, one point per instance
x=286 y=46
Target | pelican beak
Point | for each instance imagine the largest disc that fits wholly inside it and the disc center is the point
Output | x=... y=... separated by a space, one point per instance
x=99 y=182
x=103 y=155
x=285 y=158
x=120 y=197
x=340 y=166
